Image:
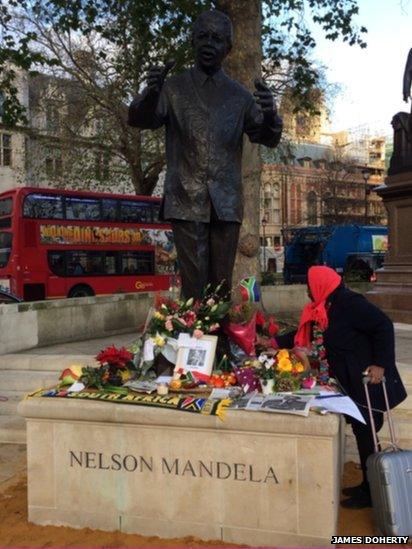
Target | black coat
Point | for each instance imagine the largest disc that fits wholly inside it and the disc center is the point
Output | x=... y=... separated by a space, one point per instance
x=360 y=335
x=204 y=140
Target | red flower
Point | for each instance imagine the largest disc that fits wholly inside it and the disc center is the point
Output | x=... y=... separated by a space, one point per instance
x=163 y=300
x=115 y=357
x=160 y=300
x=273 y=328
x=260 y=319
x=189 y=318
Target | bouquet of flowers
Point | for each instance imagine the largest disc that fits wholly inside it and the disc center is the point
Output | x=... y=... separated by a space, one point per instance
x=172 y=317
x=289 y=368
x=116 y=366
x=241 y=328
x=266 y=329
x=280 y=372
x=247 y=376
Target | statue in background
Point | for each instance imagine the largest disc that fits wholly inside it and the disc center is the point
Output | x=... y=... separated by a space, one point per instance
x=206 y=114
x=401 y=160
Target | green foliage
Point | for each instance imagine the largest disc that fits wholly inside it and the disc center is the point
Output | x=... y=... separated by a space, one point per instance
x=132 y=35
x=136 y=33
x=289 y=43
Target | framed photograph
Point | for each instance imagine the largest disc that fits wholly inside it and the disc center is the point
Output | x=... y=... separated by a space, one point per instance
x=196 y=355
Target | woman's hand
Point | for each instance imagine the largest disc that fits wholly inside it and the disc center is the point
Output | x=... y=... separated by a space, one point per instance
x=375 y=373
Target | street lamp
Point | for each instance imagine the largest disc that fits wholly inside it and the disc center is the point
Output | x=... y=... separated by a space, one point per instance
x=366 y=175
x=264 y=223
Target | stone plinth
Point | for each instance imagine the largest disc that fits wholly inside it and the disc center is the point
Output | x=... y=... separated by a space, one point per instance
x=393 y=290
x=255 y=478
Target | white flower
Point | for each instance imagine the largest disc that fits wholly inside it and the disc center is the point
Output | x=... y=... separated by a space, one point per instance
x=262 y=358
x=270 y=362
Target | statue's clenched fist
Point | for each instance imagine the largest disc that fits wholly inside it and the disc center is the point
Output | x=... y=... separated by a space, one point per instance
x=157 y=74
x=264 y=97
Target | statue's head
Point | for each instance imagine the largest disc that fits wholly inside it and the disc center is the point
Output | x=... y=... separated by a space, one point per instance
x=212 y=38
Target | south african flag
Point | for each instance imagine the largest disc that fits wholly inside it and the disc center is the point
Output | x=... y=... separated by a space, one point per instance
x=249 y=289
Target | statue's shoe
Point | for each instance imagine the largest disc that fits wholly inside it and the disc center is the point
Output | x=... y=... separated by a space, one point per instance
x=360 y=501
x=353 y=490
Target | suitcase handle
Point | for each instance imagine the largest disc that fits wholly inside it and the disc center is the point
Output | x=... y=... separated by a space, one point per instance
x=366 y=380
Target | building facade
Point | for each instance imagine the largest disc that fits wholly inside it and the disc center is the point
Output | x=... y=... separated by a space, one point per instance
x=322 y=184
x=62 y=145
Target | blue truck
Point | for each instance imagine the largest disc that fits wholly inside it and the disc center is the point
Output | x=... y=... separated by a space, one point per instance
x=356 y=250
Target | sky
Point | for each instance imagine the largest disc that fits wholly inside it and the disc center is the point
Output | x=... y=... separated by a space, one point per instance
x=370 y=78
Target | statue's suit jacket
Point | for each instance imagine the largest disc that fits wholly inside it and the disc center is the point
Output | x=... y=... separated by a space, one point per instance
x=204 y=134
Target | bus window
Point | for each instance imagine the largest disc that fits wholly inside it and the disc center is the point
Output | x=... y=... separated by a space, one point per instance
x=109 y=209
x=76 y=263
x=156 y=213
x=137 y=263
x=5 y=206
x=83 y=208
x=43 y=206
x=56 y=263
x=110 y=263
x=81 y=263
x=94 y=265
x=137 y=212
x=5 y=248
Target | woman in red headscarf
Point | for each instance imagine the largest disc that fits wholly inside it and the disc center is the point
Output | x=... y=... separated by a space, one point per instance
x=354 y=337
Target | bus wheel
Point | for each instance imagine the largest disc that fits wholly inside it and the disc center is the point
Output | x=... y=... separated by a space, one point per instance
x=81 y=290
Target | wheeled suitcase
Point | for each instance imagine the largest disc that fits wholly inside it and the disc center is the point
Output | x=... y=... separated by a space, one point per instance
x=390 y=479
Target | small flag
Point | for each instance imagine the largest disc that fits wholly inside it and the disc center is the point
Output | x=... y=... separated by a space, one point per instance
x=249 y=289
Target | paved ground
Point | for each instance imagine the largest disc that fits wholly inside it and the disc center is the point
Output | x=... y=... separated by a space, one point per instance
x=88 y=347
x=12 y=463
x=93 y=346
x=404 y=343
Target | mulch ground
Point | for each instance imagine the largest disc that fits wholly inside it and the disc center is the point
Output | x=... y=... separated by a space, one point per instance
x=16 y=531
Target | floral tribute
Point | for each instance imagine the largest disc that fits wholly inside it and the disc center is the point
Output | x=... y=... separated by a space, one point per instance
x=116 y=367
x=283 y=369
x=172 y=317
x=196 y=318
x=248 y=357
x=116 y=358
x=241 y=326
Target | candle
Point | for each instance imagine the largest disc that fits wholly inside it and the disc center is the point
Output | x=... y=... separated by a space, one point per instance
x=162 y=389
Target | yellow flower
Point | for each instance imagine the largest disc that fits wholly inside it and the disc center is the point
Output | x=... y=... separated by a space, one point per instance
x=283 y=353
x=299 y=367
x=284 y=365
x=159 y=315
x=125 y=375
x=159 y=341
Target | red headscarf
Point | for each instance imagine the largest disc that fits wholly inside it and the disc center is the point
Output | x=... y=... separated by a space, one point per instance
x=322 y=281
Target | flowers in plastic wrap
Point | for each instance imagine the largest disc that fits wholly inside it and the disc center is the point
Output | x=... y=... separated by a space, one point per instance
x=116 y=367
x=241 y=328
x=112 y=356
x=71 y=374
x=266 y=330
x=284 y=367
x=248 y=377
x=289 y=369
x=308 y=381
x=172 y=317
x=195 y=317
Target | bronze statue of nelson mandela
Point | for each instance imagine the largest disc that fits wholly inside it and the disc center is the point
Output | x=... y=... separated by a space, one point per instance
x=206 y=114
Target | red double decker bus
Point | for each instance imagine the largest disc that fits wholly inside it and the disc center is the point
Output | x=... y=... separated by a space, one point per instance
x=58 y=243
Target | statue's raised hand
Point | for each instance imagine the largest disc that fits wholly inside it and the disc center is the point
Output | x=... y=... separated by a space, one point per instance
x=264 y=97
x=157 y=74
